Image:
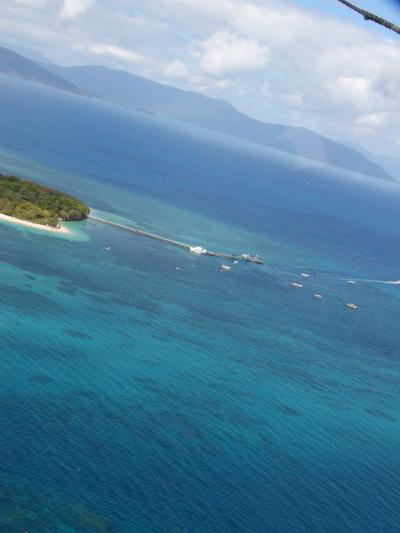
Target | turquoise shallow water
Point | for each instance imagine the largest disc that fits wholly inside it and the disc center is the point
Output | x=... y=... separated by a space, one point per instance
x=139 y=397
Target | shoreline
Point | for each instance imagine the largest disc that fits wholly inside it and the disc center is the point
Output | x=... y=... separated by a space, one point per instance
x=27 y=223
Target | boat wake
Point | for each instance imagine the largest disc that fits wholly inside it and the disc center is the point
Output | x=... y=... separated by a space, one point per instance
x=395 y=282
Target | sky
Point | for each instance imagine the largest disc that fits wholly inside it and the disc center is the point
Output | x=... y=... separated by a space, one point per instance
x=305 y=63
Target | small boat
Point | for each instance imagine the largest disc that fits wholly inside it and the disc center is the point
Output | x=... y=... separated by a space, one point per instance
x=304 y=275
x=351 y=282
x=199 y=250
x=225 y=268
x=317 y=296
x=108 y=248
x=251 y=258
x=352 y=306
x=297 y=285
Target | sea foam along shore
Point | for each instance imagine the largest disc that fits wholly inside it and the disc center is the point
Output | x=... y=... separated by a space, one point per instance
x=61 y=229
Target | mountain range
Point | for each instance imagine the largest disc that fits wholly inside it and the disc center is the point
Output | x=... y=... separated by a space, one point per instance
x=15 y=64
x=139 y=93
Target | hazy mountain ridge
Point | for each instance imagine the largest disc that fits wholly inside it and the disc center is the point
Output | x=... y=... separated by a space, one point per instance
x=17 y=65
x=28 y=53
x=142 y=94
x=390 y=162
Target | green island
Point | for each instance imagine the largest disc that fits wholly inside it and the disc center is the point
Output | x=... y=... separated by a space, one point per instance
x=26 y=200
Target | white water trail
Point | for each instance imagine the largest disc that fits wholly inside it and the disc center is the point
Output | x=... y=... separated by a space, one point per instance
x=395 y=282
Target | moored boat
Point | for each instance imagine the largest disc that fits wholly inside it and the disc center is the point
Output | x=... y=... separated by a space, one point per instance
x=199 y=250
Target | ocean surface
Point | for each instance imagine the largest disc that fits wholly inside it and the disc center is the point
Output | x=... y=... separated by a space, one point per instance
x=143 y=390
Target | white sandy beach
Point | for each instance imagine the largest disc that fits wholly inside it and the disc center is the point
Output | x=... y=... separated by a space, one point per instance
x=28 y=224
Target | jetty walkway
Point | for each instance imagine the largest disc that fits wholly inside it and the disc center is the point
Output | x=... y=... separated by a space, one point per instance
x=188 y=247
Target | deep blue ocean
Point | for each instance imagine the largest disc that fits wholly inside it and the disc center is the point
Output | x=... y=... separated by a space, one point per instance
x=143 y=390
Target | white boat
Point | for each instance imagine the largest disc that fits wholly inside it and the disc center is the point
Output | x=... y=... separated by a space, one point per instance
x=225 y=268
x=317 y=296
x=351 y=282
x=352 y=306
x=199 y=250
x=251 y=259
x=297 y=285
x=108 y=248
x=304 y=275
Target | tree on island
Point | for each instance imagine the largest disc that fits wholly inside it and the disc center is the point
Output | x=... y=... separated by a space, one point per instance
x=36 y=203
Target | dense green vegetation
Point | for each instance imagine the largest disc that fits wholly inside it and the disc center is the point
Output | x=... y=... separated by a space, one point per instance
x=30 y=201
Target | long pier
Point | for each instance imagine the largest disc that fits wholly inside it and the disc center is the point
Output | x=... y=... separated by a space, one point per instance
x=188 y=247
x=140 y=232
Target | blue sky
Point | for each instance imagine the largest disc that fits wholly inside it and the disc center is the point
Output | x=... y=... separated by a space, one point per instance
x=301 y=62
x=389 y=9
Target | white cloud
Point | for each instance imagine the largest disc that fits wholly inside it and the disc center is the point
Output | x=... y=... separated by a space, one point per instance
x=74 y=8
x=293 y=99
x=226 y=52
x=177 y=69
x=372 y=122
x=118 y=52
x=337 y=77
x=281 y=96
x=32 y=3
x=352 y=89
x=224 y=84
x=266 y=88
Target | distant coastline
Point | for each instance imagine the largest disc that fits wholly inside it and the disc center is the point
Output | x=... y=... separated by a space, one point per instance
x=27 y=223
